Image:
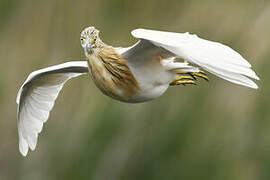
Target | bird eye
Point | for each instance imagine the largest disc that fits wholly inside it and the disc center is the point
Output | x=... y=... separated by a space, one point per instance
x=93 y=40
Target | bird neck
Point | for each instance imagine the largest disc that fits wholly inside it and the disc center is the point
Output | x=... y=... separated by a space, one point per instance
x=99 y=47
x=99 y=44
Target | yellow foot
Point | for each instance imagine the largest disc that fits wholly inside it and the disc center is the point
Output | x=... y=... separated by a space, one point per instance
x=188 y=78
x=200 y=74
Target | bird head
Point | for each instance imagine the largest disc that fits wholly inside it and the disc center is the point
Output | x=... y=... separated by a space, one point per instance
x=90 y=39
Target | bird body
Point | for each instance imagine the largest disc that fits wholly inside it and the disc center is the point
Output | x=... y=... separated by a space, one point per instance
x=135 y=74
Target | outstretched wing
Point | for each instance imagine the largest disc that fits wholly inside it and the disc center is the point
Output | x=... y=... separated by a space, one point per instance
x=214 y=57
x=36 y=98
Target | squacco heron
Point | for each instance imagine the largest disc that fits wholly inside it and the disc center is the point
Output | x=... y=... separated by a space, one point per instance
x=138 y=73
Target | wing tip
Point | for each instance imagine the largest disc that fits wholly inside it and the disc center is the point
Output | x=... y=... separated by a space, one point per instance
x=23 y=147
x=250 y=73
x=254 y=86
x=248 y=83
x=24 y=153
x=256 y=76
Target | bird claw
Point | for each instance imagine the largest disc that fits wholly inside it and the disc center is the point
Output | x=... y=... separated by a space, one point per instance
x=185 y=78
x=200 y=74
x=189 y=78
x=183 y=82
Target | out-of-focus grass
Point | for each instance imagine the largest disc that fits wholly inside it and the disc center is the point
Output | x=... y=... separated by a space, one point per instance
x=215 y=130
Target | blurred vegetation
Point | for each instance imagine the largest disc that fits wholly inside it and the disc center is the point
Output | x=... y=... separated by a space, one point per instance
x=215 y=130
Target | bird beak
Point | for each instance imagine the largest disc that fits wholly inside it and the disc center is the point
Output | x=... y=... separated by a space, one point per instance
x=87 y=46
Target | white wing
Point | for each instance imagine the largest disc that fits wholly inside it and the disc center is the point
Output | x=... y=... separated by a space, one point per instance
x=36 y=98
x=214 y=57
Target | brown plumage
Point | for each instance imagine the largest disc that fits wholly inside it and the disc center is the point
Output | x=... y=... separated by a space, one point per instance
x=111 y=74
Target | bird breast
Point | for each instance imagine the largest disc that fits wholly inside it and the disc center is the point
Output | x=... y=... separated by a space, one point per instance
x=112 y=75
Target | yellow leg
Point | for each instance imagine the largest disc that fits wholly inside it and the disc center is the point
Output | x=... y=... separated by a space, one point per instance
x=188 y=77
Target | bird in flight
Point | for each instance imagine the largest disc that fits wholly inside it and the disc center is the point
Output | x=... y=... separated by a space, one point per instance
x=138 y=73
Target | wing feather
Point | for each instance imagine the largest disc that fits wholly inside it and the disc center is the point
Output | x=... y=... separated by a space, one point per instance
x=36 y=98
x=214 y=57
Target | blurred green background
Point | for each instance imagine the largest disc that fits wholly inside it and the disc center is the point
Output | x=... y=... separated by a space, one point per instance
x=213 y=131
